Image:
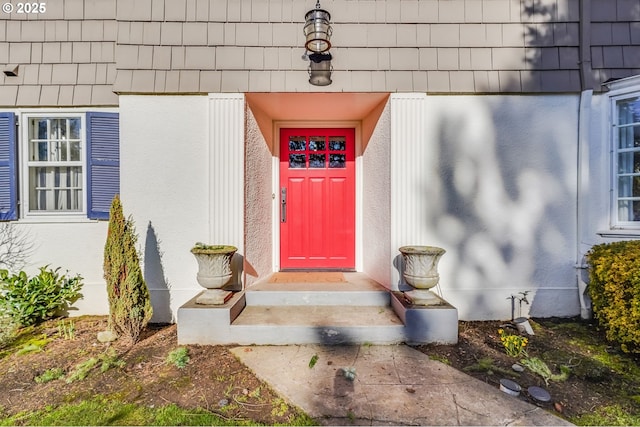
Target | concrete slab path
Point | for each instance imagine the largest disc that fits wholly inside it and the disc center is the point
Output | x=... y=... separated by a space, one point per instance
x=393 y=385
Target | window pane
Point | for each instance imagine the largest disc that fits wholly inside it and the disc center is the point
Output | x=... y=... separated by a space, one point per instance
x=337 y=161
x=55 y=188
x=629 y=162
x=629 y=137
x=337 y=143
x=629 y=111
x=74 y=128
x=297 y=143
x=629 y=186
x=316 y=143
x=297 y=161
x=75 y=149
x=628 y=210
x=316 y=160
x=58 y=129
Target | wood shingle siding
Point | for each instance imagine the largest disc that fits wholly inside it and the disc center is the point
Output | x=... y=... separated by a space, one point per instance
x=82 y=51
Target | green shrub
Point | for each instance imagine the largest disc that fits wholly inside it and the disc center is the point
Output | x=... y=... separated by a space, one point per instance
x=614 y=288
x=31 y=300
x=129 y=302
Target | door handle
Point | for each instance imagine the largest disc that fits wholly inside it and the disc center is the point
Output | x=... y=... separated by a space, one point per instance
x=283 y=204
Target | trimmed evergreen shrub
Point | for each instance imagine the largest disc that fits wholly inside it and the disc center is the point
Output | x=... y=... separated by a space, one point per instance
x=129 y=303
x=614 y=288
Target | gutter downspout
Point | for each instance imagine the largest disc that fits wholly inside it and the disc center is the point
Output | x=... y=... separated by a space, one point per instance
x=584 y=116
x=582 y=275
x=586 y=72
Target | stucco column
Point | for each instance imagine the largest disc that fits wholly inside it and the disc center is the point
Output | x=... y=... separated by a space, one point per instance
x=226 y=174
x=410 y=164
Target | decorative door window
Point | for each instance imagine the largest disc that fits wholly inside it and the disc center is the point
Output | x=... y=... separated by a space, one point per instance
x=317 y=152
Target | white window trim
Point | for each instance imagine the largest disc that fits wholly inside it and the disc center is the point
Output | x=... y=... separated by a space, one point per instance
x=620 y=89
x=23 y=166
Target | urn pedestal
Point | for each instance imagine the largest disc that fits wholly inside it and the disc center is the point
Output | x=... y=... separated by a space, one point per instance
x=214 y=272
x=421 y=272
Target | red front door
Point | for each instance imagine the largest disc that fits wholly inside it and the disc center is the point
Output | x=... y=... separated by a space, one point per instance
x=317 y=198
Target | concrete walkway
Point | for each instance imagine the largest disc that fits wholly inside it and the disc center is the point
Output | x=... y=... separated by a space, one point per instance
x=393 y=385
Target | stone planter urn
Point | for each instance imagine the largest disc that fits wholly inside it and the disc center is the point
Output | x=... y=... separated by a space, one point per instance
x=214 y=272
x=421 y=272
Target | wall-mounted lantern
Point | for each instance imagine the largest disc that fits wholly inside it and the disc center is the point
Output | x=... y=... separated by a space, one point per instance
x=317 y=30
x=320 y=69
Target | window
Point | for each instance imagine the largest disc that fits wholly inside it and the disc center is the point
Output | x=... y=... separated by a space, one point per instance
x=55 y=164
x=68 y=164
x=626 y=144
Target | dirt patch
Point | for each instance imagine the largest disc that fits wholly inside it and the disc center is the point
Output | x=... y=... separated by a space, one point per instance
x=600 y=375
x=213 y=378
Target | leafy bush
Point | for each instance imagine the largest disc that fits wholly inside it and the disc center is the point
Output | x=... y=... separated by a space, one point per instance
x=129 y=302
x=614 y=288
x=32 y=300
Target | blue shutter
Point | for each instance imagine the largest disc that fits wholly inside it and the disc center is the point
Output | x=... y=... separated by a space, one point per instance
x=103 y=160
x=8 y=180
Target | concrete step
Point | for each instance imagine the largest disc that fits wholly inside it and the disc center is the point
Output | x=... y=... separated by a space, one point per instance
x=354 y=311
x=306 y=324
x=359 y=290
x=306 y=296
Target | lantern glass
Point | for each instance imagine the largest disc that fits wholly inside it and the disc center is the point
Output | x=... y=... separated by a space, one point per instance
x=317 y=30
x=320 y=69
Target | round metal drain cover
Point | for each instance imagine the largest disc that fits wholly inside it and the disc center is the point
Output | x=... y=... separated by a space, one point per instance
x=510 y=387
x=539 y=394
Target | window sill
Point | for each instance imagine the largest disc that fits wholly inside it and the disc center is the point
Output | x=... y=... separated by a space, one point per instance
x=621 y=233
x=57 y=219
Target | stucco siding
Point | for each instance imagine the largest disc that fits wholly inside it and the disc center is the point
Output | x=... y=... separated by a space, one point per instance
x=75 y=247
x=493 y=181
x=259 y=202
x=376 y=213
x=165 y=188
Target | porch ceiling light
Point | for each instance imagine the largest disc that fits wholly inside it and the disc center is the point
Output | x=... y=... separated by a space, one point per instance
x=317 y=30
x=320 y=69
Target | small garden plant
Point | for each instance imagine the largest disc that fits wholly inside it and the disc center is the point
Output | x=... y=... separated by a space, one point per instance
x=514 y=345
x=178 y=357
x=539 y=366
x=49 y=375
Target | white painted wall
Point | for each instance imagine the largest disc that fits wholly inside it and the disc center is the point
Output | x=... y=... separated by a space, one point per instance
x=75 y=247
x=164 y=181
x=492 y=180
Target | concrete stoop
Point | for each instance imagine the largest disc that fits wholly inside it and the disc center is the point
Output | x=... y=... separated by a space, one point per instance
x=358 y=312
